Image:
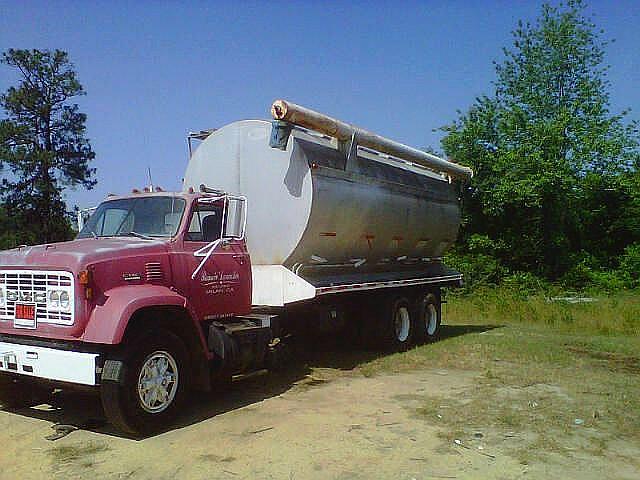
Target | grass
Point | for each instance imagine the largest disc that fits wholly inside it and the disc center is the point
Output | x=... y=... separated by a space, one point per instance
x=559 y=377
x=612 y=315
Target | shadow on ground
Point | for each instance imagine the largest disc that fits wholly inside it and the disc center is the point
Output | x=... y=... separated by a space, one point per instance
x=83 y=411
x=451 y=331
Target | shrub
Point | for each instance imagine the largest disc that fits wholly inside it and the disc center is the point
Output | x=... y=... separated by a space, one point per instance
x=478 y=262
x=525 y=283
x=478 y=270
x=629 y=267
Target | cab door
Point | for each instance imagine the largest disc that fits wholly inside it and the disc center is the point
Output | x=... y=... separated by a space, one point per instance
x=215 y=260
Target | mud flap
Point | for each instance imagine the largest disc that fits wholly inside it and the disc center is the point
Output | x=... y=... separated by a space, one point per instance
x=114 y=371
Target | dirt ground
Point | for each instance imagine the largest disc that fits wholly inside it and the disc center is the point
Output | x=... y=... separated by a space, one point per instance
x=325 y=421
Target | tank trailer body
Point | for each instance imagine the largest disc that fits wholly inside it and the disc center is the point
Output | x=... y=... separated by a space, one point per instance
x=296 y=225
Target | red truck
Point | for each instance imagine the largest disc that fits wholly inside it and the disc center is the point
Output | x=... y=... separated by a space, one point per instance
x=282 y=227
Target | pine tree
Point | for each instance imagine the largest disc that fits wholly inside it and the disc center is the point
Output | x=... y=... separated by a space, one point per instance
x=43 y=148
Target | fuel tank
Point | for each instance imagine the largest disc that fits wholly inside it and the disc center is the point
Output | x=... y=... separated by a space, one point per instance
x=314 y=203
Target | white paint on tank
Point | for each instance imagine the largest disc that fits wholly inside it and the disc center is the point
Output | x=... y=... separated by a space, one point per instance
x=237 y=159
x=277 y=286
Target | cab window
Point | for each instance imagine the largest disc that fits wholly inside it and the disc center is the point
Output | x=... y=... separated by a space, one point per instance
x=154 y=216
x=206 y=223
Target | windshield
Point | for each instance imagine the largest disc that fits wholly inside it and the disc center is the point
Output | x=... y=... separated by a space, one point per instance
x=143 y=217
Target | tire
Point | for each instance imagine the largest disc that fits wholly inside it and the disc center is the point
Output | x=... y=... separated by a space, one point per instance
x=146 y=399
x=395 y=323
x=221 y=381
x=427 y=318
x=16 y=392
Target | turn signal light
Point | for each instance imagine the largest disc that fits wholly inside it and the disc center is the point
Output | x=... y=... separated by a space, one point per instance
x=84 y=277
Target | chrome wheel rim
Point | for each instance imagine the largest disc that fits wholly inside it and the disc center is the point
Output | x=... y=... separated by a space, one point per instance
x=157 y=382
x=402 y=324
x=432 y=319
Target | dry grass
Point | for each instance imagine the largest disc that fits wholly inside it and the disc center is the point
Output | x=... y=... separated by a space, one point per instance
x=81 y=454
x=211 y=457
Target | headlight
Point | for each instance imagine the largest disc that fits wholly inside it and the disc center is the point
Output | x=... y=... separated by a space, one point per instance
x=64 y=300
x=1 y=297
x=59 y=300
x=54 y=298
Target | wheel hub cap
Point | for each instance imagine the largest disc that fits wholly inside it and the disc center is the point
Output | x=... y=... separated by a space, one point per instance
x=157 y=382
x=402 y=324
x=432 y=319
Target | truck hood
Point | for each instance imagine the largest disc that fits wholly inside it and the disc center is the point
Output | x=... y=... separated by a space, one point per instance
x=77 y=254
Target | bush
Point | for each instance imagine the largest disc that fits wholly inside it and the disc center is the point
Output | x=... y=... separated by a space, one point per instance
x=579 y=276
x=607 y=281
x=525 y=283
x=587 y=274
x=629 y=267
x=478 y=261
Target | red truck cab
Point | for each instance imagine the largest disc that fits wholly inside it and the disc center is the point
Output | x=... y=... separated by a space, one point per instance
x=128 y=303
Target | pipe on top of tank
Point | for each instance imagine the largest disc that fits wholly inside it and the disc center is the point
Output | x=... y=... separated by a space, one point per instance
x=286 y=111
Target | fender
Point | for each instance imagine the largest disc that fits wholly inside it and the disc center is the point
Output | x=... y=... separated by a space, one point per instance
x=108 y=320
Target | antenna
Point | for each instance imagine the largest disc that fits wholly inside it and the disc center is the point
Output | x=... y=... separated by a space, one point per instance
x=150 y=179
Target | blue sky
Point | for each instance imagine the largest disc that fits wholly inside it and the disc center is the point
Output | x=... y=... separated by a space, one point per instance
x=155 y=70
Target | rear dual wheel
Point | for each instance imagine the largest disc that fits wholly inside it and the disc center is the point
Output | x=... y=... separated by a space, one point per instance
x=427 y=316
x=392 y=317
x=395 y=322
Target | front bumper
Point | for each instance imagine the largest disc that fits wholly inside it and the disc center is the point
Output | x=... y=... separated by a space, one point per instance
x=49 y=363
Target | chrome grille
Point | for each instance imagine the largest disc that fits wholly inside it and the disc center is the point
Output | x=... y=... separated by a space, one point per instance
x=33 y=287
x=153 y=272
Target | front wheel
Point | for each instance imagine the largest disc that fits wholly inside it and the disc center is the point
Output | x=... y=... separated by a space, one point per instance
x=152 y=386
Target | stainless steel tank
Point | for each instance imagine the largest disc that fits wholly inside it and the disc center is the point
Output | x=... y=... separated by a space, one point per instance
x=312 y=207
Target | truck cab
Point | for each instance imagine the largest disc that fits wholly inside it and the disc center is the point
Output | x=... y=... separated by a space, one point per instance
x=151 y=270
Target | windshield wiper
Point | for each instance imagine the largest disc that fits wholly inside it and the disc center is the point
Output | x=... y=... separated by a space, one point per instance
x=140 y=235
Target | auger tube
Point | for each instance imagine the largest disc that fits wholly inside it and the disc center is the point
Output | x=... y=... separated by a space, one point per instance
x=284 y=110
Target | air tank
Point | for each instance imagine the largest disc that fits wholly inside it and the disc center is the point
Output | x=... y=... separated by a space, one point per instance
x=316 y=203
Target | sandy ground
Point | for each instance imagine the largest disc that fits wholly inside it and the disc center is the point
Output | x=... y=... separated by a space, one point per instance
x=325 y=423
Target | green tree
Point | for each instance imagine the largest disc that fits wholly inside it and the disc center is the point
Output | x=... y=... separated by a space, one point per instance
x=43 y=148
x=546 y=149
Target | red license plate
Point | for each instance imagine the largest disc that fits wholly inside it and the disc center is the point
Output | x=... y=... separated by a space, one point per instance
x=25 y=312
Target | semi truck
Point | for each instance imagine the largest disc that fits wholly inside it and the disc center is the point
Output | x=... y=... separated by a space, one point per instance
x=300 y=224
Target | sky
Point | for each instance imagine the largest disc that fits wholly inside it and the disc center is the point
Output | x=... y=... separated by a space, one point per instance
x=153 y=71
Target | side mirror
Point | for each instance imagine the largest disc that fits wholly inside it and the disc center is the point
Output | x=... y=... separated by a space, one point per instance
x=83 y=216
x=235 y=221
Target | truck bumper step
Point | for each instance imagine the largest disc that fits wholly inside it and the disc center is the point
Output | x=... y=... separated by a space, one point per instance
x=48 y=363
